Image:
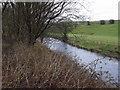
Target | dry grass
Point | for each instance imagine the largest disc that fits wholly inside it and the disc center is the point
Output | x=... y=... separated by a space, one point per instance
x=38 y=67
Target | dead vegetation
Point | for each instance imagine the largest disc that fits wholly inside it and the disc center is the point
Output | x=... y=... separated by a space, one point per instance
x=38 y=67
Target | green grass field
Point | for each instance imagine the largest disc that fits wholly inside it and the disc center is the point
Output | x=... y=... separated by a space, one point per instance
x=102 y=38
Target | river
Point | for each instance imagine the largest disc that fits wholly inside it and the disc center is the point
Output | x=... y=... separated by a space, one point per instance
x=85 y=57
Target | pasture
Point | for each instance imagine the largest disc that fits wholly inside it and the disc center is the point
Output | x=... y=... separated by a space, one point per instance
x=101 y=38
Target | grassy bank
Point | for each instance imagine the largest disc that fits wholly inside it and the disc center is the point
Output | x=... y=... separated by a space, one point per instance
x=96 y=37
x=38 y=67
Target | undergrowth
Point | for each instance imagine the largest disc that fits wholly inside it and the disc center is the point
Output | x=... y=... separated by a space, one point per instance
x=38 y=67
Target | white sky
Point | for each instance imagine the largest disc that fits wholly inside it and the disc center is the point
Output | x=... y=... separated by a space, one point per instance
x=103 y=9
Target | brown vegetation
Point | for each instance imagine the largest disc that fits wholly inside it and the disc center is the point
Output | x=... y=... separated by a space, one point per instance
x=36 y=66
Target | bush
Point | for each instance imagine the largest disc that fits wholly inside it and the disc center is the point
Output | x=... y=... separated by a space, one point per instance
x=38 y=67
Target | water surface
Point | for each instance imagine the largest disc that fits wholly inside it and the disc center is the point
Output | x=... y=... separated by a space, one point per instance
x=85 y=57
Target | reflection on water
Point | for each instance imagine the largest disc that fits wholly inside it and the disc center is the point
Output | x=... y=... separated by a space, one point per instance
x=86 y=57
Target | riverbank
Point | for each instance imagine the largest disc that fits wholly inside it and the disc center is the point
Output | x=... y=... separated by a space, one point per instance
x=37 y=66
x=97 y=38
x=96 y=51
x=91 y=50
x=102 y=39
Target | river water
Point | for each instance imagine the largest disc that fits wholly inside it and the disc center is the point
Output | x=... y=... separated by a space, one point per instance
x=86 y=57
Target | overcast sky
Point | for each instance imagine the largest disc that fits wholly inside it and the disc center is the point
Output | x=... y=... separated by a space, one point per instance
x=104 y=9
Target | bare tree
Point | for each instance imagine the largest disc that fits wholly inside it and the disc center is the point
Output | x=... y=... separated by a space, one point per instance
x=31 y=19
x=65 y=25
x=37 y=17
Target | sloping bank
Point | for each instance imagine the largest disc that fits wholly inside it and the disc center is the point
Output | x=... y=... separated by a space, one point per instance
x=38 y=67
x=78 y=45
x=96 y=51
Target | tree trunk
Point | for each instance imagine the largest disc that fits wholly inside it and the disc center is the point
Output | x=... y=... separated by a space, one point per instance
x=65 y=38
x=31 y=38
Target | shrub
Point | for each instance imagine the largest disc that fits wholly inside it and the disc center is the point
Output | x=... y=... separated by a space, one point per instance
x=38 y=67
